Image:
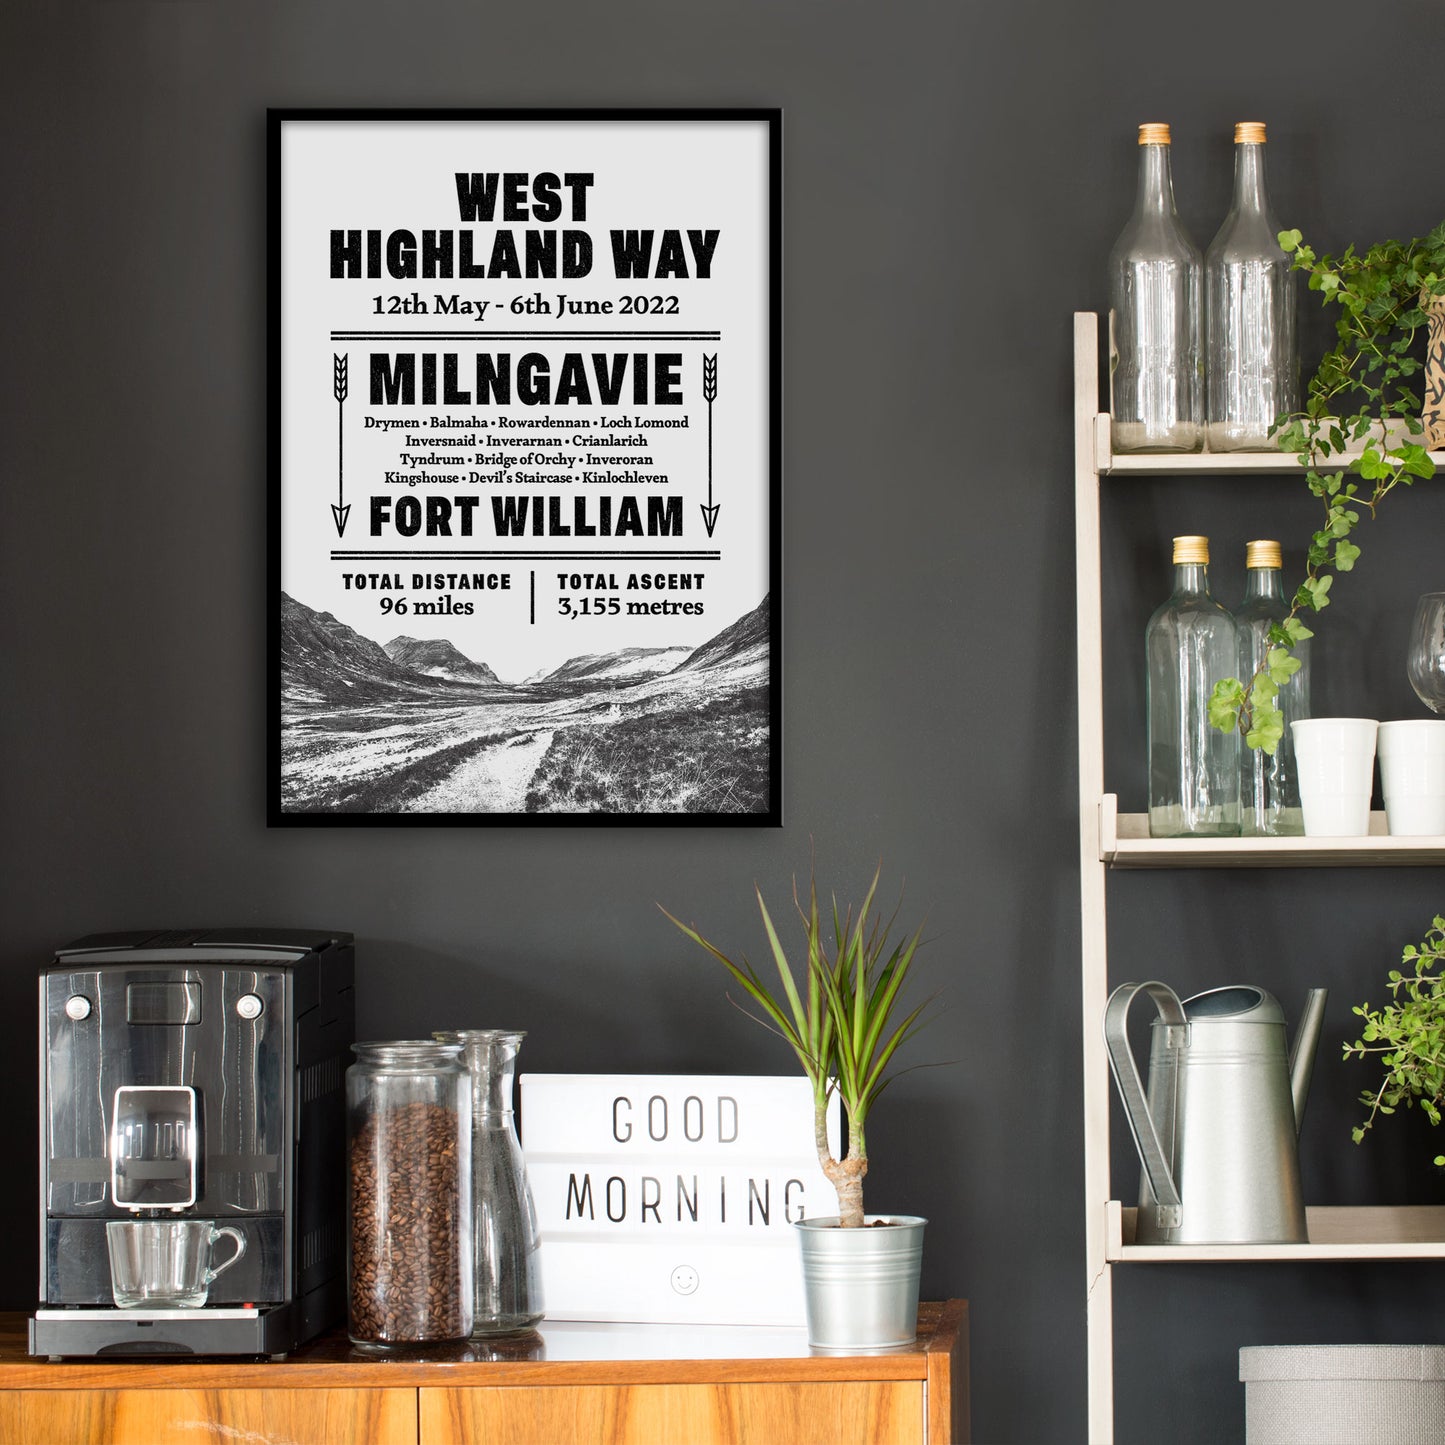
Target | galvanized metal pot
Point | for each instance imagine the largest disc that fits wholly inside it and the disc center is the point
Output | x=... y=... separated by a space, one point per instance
x=861 y=1285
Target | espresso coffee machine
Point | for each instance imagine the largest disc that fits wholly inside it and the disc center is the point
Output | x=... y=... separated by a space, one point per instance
x=195 y=1076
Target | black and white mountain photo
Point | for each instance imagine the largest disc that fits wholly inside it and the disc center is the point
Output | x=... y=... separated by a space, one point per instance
x=413 y=725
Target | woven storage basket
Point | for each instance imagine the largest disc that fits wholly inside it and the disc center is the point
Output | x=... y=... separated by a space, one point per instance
x=1343 y=1394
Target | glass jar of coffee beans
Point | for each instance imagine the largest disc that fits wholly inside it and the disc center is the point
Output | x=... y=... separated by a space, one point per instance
x=408 y=1127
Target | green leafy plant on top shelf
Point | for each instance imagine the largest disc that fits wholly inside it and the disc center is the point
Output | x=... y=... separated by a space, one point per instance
x=841 y=1013
x=1408 y=1035
x=1361 y=396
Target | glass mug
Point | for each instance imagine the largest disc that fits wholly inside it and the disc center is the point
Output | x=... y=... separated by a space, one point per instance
x=165 y=1263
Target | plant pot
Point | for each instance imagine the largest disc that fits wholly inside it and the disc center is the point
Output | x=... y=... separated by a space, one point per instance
x=1412 y=775
x=861 y=1285
x=1335 y=765
x=1433 y=414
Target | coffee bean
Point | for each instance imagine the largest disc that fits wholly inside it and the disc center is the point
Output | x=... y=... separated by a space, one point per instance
x=407 y=1226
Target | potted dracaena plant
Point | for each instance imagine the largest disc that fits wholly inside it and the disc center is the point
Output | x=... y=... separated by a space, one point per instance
x=841 y=1012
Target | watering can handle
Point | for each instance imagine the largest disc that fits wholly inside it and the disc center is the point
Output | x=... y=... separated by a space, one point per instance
x=1131 y=1091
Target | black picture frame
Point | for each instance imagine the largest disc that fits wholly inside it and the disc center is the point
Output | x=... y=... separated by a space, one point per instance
x=569 y=513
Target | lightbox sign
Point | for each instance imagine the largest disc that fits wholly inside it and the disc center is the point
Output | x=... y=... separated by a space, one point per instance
x=671 y=1198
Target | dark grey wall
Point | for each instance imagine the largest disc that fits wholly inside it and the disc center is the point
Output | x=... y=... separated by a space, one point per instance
x=955 y=174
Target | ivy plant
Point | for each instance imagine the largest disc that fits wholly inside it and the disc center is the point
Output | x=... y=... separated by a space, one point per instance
x=1361 y=401
x=1408 y=1035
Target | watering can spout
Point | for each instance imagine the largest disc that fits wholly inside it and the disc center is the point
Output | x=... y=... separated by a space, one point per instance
x=1302 y=1052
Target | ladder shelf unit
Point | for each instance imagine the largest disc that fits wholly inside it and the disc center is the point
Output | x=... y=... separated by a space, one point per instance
x=1109 y=839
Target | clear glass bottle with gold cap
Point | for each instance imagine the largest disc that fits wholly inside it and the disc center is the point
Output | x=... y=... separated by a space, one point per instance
x=1269 y=805
x=1194 y=768
x=1156 y=281
x=1251 y=356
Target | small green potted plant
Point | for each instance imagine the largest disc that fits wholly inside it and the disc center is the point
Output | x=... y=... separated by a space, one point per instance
x=841 y=1012
x=1408 y=1035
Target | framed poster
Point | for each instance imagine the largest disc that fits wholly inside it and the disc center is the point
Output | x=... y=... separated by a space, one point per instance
x=525 y=454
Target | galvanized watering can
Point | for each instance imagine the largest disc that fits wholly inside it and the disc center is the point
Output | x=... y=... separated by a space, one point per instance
x=1218 y=1133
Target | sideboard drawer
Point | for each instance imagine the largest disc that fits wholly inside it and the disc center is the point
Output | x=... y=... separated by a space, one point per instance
x=343 y=1416
x=856 y=1412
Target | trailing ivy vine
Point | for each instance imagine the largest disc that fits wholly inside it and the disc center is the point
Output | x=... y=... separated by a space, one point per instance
x=1361 y=396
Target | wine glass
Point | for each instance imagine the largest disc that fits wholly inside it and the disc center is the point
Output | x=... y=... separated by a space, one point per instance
x=1426 y=662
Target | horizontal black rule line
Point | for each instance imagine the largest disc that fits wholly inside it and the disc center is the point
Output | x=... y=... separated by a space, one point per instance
x=521 y=556
x=525 y=335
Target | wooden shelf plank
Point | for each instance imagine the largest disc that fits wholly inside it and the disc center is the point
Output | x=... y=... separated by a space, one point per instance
x=1124 y=842
x=1181 y=464
x=1335 y=1233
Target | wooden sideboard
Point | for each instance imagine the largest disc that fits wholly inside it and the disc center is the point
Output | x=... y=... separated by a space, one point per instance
x=590 y=1384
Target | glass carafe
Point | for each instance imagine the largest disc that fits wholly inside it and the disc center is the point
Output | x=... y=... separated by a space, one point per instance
x=507 y=1291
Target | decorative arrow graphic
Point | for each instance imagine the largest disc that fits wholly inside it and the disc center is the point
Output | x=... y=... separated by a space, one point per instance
x=338 y=387
x=709 y=394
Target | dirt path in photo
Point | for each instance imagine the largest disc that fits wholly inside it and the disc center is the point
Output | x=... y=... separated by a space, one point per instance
x=494 y=781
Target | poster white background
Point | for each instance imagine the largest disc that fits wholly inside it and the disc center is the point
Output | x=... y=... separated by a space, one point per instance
x=387 y=175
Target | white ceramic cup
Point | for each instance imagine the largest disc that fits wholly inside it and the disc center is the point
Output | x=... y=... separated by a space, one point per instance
x=1335 y=757
x=1412 y=776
